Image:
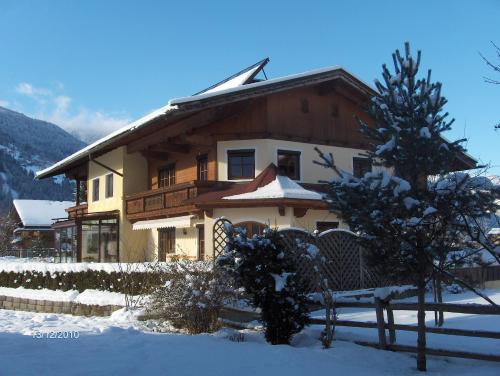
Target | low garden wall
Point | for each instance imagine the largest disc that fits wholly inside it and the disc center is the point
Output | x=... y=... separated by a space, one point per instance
x=47 y=306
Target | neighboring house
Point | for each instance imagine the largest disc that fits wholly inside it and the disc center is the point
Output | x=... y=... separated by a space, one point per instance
x=35 y=219
x=242 y=149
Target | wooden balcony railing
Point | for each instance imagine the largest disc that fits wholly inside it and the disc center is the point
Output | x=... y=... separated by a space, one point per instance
x=168 y=200
x=77 y=211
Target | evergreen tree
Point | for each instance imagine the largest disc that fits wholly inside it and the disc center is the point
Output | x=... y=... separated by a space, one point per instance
x=410 y=211
x=259 y=265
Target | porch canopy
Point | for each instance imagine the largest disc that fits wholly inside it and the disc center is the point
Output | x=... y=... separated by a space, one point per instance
x=178 y=222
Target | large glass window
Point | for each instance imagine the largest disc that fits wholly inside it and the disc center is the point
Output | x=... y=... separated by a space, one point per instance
x=360 y=166
x=65 y=244
x=100 y=240
x=166 y=176
x=289 y=164
x=241 y=164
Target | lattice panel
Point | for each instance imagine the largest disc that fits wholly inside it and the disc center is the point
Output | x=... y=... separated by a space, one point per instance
x=343 y=264
x=220 y=236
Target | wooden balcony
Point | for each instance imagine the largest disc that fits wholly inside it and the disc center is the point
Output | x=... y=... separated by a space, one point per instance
x=167 y=201
x=78 y=211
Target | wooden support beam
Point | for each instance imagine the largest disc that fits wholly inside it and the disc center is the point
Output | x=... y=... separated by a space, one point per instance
x=158 y=155
x=171 y=148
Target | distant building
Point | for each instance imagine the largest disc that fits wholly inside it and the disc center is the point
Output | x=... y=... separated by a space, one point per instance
x=35 y=219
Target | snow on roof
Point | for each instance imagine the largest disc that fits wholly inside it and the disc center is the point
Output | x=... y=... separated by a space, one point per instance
x=41 y=212
x=281 y=187
x=206 y=95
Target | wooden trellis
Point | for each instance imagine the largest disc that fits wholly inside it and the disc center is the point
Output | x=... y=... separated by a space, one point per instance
x=220 y=236
x=343 y=261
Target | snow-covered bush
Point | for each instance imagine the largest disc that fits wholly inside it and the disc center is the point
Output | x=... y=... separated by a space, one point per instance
x=192 y=298
x=270 y=278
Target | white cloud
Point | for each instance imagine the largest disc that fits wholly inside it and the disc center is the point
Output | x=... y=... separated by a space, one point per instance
x=31 y=91
x=4 y=103
x=86 y=124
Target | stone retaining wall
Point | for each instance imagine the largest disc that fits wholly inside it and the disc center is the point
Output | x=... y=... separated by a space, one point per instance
x=47 y=306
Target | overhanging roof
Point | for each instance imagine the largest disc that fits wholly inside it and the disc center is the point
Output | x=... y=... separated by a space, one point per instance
x=207 y=100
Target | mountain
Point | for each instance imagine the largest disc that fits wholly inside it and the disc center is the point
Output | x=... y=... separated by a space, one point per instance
x=26 y=146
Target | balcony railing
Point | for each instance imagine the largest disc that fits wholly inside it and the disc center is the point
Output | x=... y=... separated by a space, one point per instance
x=168 y=200
x=77 y=211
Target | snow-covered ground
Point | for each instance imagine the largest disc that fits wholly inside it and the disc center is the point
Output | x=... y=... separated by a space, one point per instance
x=119 y=345
x=91 y=297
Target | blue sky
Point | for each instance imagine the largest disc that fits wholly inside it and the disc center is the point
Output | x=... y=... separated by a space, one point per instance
x=91 y=66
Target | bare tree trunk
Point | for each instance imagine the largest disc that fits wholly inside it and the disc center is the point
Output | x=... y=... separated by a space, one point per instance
x=421 y=342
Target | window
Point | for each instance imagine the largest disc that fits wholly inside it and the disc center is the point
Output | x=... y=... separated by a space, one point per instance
x=109 y=186
x=324 y=225
x=360 y=166
x=289 y=164
x=166 y=176
x=203 y=167
x=100 y=240
x=166 y=240
x=241 y=164
x=95 y=189
x=252 y=228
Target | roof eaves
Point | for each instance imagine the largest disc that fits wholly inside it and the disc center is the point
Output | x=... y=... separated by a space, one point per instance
x=105 y=141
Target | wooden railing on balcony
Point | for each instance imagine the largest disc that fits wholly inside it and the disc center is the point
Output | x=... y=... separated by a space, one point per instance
x=168 y=200
x=77 y=211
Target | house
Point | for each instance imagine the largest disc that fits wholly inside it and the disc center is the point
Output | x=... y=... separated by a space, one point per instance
x=35 y=219
x=243 y=149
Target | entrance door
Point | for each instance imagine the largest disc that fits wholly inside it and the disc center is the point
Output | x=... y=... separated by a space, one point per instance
x=166 y=240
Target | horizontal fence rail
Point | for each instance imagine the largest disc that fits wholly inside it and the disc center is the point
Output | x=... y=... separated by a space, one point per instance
x=382 y=326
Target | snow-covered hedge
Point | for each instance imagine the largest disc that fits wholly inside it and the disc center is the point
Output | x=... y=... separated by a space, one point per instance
x=129 y=278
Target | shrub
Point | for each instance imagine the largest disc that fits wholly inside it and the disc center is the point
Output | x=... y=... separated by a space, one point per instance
x=261 y=266
x=191 y=299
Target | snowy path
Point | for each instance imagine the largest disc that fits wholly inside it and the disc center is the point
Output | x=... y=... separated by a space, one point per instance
x=118 y=346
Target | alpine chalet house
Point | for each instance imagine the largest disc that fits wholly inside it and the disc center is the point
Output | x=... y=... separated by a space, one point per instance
x=242 y=149
x=34 y=220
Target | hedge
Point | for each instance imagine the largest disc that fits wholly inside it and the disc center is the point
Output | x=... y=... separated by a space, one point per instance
x=132 y=283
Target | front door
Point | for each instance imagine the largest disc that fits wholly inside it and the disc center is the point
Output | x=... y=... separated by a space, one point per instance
x=166 y=242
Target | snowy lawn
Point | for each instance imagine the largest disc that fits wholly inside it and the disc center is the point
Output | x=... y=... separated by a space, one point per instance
x=120 y=345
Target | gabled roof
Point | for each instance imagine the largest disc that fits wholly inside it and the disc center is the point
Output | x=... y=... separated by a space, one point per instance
x=236 y=87
x=41 y=213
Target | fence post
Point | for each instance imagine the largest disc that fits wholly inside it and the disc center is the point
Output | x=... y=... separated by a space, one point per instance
x=379 y=310
x=390 y=323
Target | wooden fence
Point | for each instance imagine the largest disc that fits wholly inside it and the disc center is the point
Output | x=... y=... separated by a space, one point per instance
x=390 y=343
x=478 y=275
